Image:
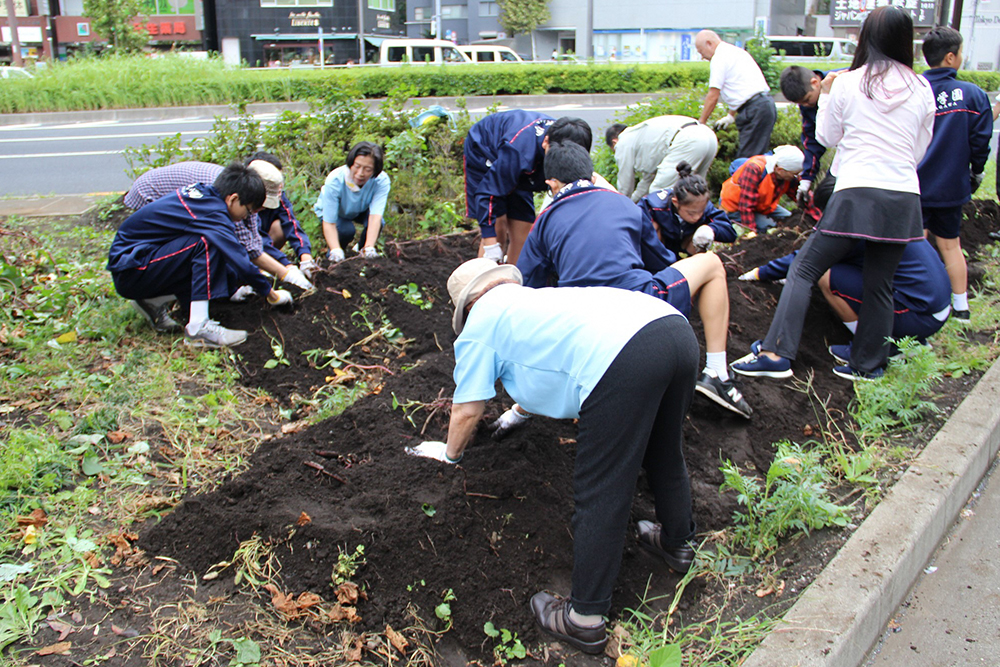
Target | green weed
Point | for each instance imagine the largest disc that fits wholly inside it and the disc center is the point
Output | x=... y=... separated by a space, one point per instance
x=898 y=400
x=347 y=565
x=792 y=499
x=508 y=646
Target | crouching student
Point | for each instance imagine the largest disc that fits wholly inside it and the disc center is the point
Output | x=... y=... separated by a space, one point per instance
x=624 y=363
x=754 y=190
x=920 y=291
x=278 y=225
x=590 y=236
x=683 y=216
x=185 y=244
x=354 y=193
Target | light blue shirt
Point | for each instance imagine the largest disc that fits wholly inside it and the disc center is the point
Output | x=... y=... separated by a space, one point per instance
x=550 y=347
x=341 y=198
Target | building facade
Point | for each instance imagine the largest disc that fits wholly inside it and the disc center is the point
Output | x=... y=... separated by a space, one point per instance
x=290 y=32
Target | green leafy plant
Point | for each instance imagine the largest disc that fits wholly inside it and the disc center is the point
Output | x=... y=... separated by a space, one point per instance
x=792 y=499
x=443 y=610
x=411 y=294
x=898 y=400
x=508 y=646
x=347 y=565
x=278 y=349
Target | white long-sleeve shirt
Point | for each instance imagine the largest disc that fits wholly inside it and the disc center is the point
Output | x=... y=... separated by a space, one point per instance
x=641 y=148
x=880 y=140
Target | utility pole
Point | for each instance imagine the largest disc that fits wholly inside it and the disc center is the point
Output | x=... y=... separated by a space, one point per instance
x=956 y=15
x=361 y=32
x=15 y=41
x=588 y=32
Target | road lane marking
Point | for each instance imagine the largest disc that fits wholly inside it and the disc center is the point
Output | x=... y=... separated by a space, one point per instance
x=74 y=154
x=85 y=137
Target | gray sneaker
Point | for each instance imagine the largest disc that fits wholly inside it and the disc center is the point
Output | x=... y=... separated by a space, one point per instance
x=158 y=316
x=723 y=393
x=214 y=335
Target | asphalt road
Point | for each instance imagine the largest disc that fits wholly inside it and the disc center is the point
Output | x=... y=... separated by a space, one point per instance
x=86 y=158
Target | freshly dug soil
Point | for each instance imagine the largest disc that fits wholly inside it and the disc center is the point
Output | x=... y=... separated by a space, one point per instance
x=495 y=529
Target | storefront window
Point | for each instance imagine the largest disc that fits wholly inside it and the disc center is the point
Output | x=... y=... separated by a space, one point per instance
x=167 y=7
x=386 y=5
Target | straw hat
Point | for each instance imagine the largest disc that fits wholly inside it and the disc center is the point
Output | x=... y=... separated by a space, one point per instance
x=469 y=279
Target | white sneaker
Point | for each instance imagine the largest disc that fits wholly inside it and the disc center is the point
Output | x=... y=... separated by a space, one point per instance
x=214 y=335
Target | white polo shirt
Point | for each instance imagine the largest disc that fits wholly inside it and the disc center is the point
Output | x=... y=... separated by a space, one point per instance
x=736 y=74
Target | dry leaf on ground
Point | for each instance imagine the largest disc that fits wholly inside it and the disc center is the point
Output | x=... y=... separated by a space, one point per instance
x=61 y=648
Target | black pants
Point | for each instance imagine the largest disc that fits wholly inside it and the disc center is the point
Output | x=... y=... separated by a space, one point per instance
x=870 y=349
x=824 y=191
x=755 y=121
x=634 y=417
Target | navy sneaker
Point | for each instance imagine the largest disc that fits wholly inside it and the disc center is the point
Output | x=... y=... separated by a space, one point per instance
x=841 y=354
x=855 y=375
x=757 y=365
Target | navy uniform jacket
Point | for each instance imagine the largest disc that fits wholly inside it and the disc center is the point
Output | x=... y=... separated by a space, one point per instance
x=194 y=210
x=921 y=282
x=290 y=226
x=508 y=146
x=811 y=148
x=963 y=127
x=590 y=236
x=673 y=230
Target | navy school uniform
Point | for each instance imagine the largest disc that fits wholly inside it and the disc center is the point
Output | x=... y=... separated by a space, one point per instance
x=920 y=287
x=658 y=207
x=295 y=236
x=503 y=159
x=589 y=236
x=185 y=244
x=963 y=128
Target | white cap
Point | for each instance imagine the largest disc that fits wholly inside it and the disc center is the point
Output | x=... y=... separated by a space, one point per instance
x=273 y=181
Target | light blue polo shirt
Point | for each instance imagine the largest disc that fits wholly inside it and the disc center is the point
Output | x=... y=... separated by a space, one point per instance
x=550 y=347
x=341 y=198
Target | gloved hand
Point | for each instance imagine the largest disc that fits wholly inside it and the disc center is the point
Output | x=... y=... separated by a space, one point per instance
x=494 y=252
x=724 y=122
x=368 y=252
x=432 y=449
x=308 y=268
x=242 y=294
x=507 y=422
x=336 y=255
x=295 y=277
x=975 y=181
x=703 y=237
x=802 y=194
x=280 y=297
x=750 y=275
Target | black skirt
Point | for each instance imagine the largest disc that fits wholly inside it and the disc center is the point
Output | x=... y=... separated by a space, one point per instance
x=873 y=214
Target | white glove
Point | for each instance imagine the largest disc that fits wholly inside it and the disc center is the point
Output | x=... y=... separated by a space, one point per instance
x=242 y=294
x=494 y=252
x=308 y=268
x=703 y=237
x=369 y=252
x=336 y=255
x=432 y=449
x=750 y=275
x=295 y=277
x=280 y=297
x=724 y=122
x=802 y=194
x=507 y=422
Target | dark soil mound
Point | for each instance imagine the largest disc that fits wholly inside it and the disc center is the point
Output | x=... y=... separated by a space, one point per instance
x=499 y=528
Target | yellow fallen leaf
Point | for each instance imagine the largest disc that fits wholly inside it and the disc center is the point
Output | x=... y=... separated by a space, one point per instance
x=627 y=661
x=30 y=535
x=68 y=337
x=60 y=648
x=347 y=295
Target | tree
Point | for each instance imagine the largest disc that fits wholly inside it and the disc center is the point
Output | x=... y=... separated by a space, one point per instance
x=114 y=21
x=521 y=16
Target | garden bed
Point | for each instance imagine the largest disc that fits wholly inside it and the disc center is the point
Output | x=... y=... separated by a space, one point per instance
x=493 y=530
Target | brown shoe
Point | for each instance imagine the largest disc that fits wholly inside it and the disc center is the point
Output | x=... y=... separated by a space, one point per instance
x=679 y=559
x=552 y=614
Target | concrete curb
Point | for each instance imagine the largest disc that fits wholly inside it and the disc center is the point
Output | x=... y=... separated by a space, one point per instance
x=840 y=617
x=207 y=111
x=48 y=206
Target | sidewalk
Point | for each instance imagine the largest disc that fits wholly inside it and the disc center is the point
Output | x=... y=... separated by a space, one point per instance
x=952 y=617
x=51 y=206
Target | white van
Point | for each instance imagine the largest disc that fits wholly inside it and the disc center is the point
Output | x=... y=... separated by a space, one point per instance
x=486 y=53
x=420 y=52
x=812 y=48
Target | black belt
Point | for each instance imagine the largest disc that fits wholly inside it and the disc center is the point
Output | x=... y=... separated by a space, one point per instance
x=749 y=100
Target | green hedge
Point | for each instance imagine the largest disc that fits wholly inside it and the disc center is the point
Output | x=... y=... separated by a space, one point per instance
x=135 y=82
